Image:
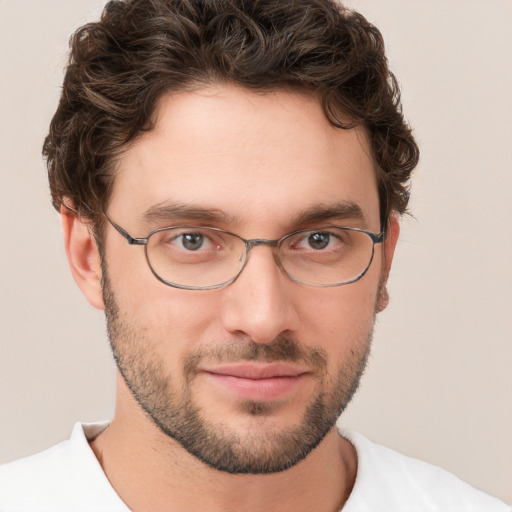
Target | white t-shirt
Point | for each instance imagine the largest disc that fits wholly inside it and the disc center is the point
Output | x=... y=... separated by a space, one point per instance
x=69 y=478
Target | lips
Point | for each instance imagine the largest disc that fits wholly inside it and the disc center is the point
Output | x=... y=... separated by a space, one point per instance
x=258 y=382
x=258 y=371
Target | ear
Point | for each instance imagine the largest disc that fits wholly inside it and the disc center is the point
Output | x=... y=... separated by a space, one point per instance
x=83 y=256
x=392 y=232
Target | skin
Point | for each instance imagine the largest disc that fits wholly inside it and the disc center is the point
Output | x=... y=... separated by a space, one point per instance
x=261 y=160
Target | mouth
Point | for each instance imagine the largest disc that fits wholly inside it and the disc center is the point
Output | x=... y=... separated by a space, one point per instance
x=256 y=382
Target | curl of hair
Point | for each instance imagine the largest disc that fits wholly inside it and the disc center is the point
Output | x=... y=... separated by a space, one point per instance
x=120 y=66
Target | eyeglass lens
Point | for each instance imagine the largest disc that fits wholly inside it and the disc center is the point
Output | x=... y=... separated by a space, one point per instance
x=205 y=257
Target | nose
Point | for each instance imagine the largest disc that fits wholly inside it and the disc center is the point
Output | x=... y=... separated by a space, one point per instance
x=260 y=303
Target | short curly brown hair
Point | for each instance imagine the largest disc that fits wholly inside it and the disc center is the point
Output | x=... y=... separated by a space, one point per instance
x=140 y=49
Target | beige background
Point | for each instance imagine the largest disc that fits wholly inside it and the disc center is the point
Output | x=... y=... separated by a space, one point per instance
x=439 y=383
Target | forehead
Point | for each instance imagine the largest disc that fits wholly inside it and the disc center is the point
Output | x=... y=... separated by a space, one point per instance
x=251 y=156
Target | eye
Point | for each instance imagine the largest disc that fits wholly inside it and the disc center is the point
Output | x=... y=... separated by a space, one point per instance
x=191 y=241
x=179 y=247
x=319 y=240
x=195 y=241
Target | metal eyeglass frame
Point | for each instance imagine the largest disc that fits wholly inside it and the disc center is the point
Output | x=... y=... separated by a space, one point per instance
x=249 y=244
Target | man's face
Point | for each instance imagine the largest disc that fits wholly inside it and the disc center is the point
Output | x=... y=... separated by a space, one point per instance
x=248 y=378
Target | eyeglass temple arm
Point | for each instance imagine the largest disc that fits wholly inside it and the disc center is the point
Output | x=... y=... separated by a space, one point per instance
x=378 y=238
x=129 y=238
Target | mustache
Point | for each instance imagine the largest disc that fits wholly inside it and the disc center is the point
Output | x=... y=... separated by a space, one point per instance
x=280 y=349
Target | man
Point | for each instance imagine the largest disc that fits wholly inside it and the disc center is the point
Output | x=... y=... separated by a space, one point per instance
x=230 y=176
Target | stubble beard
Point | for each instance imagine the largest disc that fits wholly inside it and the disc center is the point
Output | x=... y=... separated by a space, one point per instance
x=175 y=413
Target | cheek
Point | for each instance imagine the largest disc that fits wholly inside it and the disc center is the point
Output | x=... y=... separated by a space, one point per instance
x=171 y=321
x=140 y=294
x=341 y=322
x=344 y=309
x=185 y=315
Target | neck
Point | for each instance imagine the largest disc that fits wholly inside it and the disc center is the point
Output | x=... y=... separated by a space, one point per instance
x=151 y=472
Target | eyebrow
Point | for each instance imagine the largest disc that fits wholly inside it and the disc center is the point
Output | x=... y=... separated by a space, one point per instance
x=170 y=212
x=338 y=211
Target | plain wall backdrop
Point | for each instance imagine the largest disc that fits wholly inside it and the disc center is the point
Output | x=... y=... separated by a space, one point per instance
x=439 y=382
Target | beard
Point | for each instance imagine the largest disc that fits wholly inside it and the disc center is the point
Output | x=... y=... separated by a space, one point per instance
x=169 y=403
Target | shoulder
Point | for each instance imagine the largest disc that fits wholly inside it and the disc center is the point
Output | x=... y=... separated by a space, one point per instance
x=389 y=481
x=66 y=477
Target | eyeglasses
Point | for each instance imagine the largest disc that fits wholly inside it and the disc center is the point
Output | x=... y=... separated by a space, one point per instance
x=206 y=258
